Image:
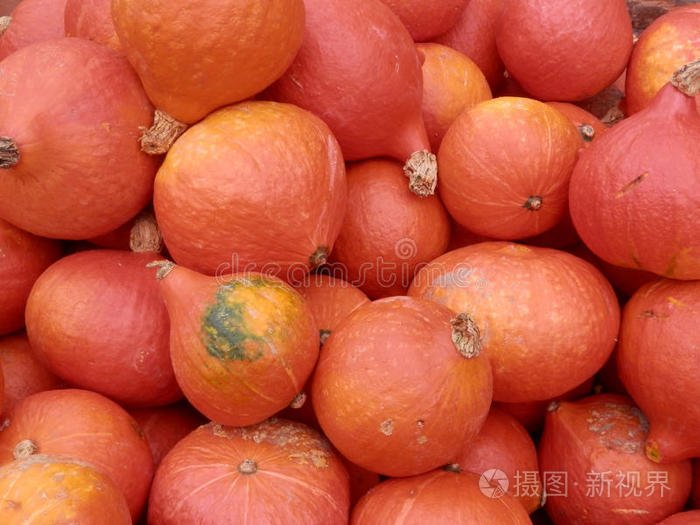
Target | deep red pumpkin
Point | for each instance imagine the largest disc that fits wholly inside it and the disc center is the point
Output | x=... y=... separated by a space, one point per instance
x=72 y=167
x=564 y=49
x=275 y=471
x=97 y=320
x=437 y=497
x=656 y=358
x=505 y=166
x=599 y=443
x=359 y=70
x=22 y=372
x=85 y=426
x=165 y=426
x=548 y=319
x=634 y=192
x=474 y=34
x=691 y=517
x=32 y=21
x=400 y=386
x=268 y=156
x=24 y=257
x=92 y=19
x=388 y=231
x=426 y=20
x=504 y=444
x=242 y=345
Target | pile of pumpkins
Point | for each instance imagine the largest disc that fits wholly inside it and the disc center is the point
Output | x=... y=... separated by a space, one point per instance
x=350 y=261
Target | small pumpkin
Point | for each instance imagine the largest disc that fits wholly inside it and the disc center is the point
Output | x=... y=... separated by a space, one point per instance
x=589 y=126
x=242 y=345
x=400 y=386
x=275 y=470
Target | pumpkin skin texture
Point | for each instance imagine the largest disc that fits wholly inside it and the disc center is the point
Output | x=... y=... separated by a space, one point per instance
x=392 y=391
x=165 y=426
x=474 y=34
x=656 y=358
x=242 y=159
x=24 y=257
x=634 y=194
x=92 y=20
x=543 y=313
x=669 y=42
x=86 y=426
x=275 y=471
x=439 y=496
x=504 y=444
x=60 y=490
x=452 y=82
x=426 y=20
x=599 y=442
x=22 y=372
x=505 y=166
x=248 y=45
x=562 y=49
x=32 y=21
x=79 y=171
x=388 y=231
x=97 y=320
x=330 y=300
x=242 y=345
x=359 y=71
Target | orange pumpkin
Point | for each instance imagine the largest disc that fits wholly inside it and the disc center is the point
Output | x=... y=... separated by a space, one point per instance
x=505 y=166
x=401 y=385
x=452 y=82
x=85 y=426
x=57 y=490
x=388 y=231
x=242 y=345
x=91 y=19
x=273 y=472
x=219 y=176
x=425 y=20
x=589 y=126
x=31 y=21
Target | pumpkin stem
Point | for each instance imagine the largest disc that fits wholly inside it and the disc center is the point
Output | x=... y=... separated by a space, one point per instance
x=687 y=78
x=298 y=400
x=323 y=335
x=248 y=467
x=553 y=406
x=164 y=268
x=9 y=153
x=534 y=203
x=465 y=335
x=145 y=235
x=421 y=169
x=652 y=451
x=319 y=257
x=587 y=132
x=4 y=23
x=24 y=449
x=161 y=135
x=452 y=467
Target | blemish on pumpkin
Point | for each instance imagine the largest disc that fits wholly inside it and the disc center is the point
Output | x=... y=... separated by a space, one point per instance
x=323 y=336
x=316 y=458
x=631 y=185
x=12 y=505
x=630 y=511
x=636 y=261
x=5 y=424
x=224 y=331
x=675 y=301
x=421 y=439
x=651 y=314
x=387 y=427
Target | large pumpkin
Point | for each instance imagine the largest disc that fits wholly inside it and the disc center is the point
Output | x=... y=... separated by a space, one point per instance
x=505 y=166
x=388 y=231
x=401 y=386
x=72 y=167
x=548 y=319
x=209 y=200
x=242 y=345
x=275 y=471
x=85 y=426
x=24 y=257
x=97 y=320
x=564 y=49
x=57 y=490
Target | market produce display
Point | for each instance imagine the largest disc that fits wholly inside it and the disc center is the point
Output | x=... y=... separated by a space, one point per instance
x=319 y=262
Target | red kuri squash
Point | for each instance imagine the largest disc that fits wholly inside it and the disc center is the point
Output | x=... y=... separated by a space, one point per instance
x=275 y=471
x=31 y=21
x=401 y=386
x=425 y=20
